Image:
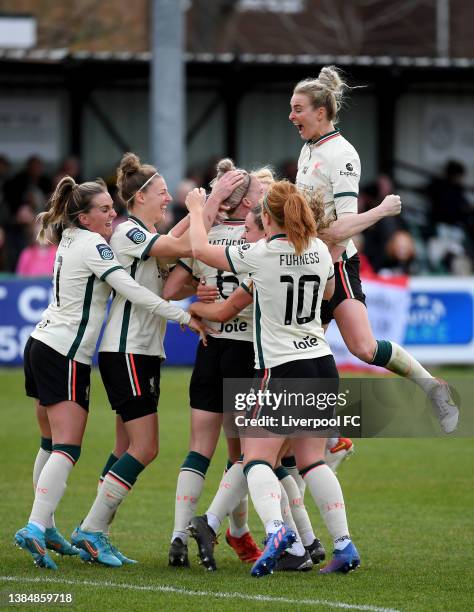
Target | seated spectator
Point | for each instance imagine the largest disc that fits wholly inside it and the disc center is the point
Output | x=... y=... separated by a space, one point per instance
x=37 y=259
x=388 y=243
x=450 y=247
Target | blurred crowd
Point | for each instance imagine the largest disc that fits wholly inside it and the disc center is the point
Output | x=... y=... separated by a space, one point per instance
x=439 y=241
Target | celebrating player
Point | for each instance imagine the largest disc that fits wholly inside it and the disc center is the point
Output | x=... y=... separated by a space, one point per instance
x=229 y=352
x=291 y=254
x=132 y=349
x=330 y=165
x=59 y=352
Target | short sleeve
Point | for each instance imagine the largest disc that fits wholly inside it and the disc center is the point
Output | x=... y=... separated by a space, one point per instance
x=190 y=265
x=345 y=176
x=137 y=242
x=247 y=285
x=100 y=258
x=331 y=271
x=242 y=258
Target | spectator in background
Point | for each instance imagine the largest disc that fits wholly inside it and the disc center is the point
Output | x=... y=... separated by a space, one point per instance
x=37 y=259
x=451 y=246
x=388 y=244
x=30 y=185
x=289 y=170
x=70 y=166
x=5 y=167
x=18 y=234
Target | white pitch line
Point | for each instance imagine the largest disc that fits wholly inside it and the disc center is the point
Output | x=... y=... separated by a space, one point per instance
x=217 y=594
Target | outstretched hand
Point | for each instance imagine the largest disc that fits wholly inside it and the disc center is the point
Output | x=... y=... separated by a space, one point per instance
x=200 y=328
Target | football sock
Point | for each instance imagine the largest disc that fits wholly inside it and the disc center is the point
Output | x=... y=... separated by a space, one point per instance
x=238 y=518
x=188 y=490
x=115 y=487
x=290 y=464
x=232 y=488
x=298 y=510
x=327 y=494
x=392 y=356
x=44 y=453
x=296 y=548
x=52 y=482
x=108 y=464
x=264 y=490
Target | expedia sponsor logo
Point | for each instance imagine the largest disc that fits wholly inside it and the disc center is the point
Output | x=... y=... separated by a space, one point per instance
x=105 y=251
x=348 y=172
x=136 y=235
x=349 y=167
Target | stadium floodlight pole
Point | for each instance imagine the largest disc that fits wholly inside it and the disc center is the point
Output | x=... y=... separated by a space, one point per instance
x=167 y=83
x=442 y=28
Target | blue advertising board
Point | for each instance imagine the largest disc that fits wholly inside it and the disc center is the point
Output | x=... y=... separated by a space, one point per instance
x=22 y=302
x=440 y=323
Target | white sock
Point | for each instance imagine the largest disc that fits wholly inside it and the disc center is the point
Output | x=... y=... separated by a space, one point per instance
x=297 y=548
x=41 y=527
x=109 y=497
x=293 y=471
x=213 y=521
x=327 y=493
x=298 y=510
x=232 y=488
x=50 y=489
x=264 y=490
x=188 y=492
x=238 y=518
x=40 y=461
x=404 y=364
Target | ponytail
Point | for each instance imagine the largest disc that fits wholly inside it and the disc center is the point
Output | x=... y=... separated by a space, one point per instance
x=289 y=208
x=68 y=201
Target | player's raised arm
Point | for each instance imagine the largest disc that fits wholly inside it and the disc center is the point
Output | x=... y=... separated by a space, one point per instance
x=348 y=225
x=210 y=254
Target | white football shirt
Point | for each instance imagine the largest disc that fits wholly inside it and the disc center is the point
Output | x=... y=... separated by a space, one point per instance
x=287 y=293
x=130 y=328
x=71 y=323
x=225 y=234
x=330 y=166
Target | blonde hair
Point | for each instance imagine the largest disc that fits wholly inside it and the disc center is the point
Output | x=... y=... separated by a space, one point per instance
x=289 y=208
x=133 y=176
x=227 y=165
x=265 y=175
x=68 y=201
x=327 y=91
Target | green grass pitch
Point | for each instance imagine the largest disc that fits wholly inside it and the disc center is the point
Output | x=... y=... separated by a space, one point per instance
x=410 y=508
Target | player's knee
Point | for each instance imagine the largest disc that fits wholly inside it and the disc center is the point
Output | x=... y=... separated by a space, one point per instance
x=363 y=350
x=145 y=454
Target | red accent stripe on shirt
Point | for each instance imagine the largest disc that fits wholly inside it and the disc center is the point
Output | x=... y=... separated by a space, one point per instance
x=135 y=377
x=327 y=139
